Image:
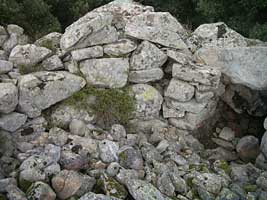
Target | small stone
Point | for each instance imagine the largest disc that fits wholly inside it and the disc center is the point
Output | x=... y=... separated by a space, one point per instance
x=179 y=90
x=162 y=146
x=263 y=146
x=42 y=191
x=93 y=196
x=5 y=66
x=165 y=185
x=147 y=56
x=72 y=161
x=8 y=97
x=15 y=29
x=261 y=162
x=117 y=132
x=131 y=158
x=265 y=123
x=14 y=193
x=108 y=151
x=145 y=76
x=225 y=144
x=171 y=113
x=12 y=121
x=4 y=183
x=227 y=194
x=262 y=181
x=113 y=169
x=203 y=96
x=50 y=41
x=78 y=127
x=58 y=136
x=248 y=148
x=227 y=134
x=87 y=53
x=120 y=48
x=52 y=63
x=178 y=56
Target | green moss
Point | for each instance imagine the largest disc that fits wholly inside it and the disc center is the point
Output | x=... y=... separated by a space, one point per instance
x=224 y=166
x=189 y=182
x=48 y=44
x=24 y=185
x=250 y=188
x=110 y=105
x=122 y=156
x=24 y=69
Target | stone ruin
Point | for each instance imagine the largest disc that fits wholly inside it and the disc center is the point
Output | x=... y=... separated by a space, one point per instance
x=210 y=84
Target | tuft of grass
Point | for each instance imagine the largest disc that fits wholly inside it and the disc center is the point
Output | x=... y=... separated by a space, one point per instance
x=110 y=105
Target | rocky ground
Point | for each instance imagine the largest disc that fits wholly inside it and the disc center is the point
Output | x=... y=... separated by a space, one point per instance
x=127 y=104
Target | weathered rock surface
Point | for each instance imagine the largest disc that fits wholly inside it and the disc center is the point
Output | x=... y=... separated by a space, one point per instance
x=87 y=53
x=106 y=72
x=5 y=66
x=40 y=90
x=237 y=62
x=12 y=121
x=145 y=76
x=120 y=48
x=28 y=55
x=8 y=97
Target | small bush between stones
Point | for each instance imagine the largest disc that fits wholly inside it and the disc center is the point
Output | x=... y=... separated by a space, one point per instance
x=109 y=105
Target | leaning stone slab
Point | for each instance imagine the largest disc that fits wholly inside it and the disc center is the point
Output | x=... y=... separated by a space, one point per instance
x=197 y=73
x=243 y=65
x=106 y=72
x=41 y=90
x=8 y=97
x=145 y=76
x=180 y=90
x=148 y=101
x=28 y=55
x=12 y=121
x=79 y=31
x=147 y=56
x=160 y=28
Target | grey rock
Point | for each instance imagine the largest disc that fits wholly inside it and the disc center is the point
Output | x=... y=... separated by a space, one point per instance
x=164 y=184
x=263 y=146
x=225 y=144
x=4 y=183
x=263 y=195
x=236 y=62
x=265 y=123
x=171 y=112
x=113 y=169
x=227 y=194
x=7 y=144
x=3 y=35
x=221 y=153
x=197 y=73
x=148 y=101
x=14 y=193
x=106 y=72
x=5 y=66
x=52 y=152
x=203 y=96
x=117 y=132
x=14 y=40
x=162 y=146
x=70 y=183
x=211 y=183
x=179 y=183
x=76 y=34
x=12 y=121
x=160 y=28
x=3 y=55
x=178 y=56
x=120 y=48
x=147 y=56
x=78 y=127
x=145 y=76
x=227 y=134
x=40 y=90
x=150 y=153
x=87 y=53
x=248 y=148
x=179 y=90
x=8 y=97
x=261 y=162
x=108 y=151
x=126 y=175
x=15 y=29
x=141 y=190
x=58 y=136
x=28 y=55
x=40 y=190
x=52 y=169
x=219 y=34
x=131 y=158
x=72 y=161
x=93 y=196
x=262 y=181
x=52 y=63
x=50 y=41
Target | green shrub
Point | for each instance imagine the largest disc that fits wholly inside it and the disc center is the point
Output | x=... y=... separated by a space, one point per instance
x=110 y=105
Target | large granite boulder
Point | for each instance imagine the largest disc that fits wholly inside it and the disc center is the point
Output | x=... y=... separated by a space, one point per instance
x=40 y=90
x=243 y=65
x=106 y=72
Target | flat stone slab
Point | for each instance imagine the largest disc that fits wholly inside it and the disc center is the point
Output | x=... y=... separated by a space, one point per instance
x=145 y=76
x=106 y=72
